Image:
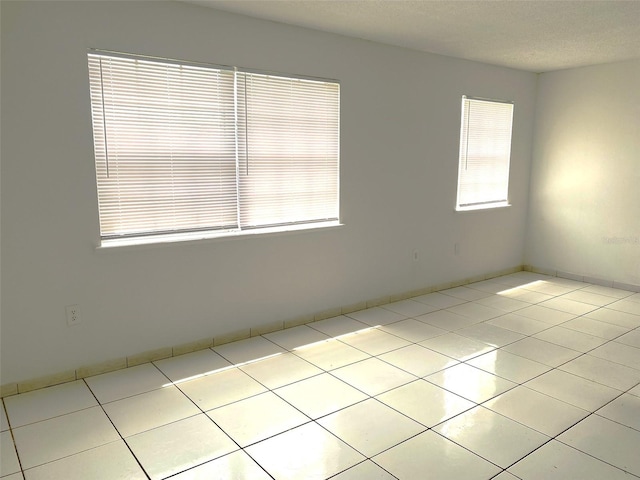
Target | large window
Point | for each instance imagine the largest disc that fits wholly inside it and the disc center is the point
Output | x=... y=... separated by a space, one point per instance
x=485 y=151
x=189 y=151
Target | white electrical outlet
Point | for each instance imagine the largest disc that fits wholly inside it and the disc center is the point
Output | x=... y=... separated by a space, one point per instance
x=73 y=315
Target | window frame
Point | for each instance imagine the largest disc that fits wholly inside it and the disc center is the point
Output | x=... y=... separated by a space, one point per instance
x=300 y=156
x=498 y=147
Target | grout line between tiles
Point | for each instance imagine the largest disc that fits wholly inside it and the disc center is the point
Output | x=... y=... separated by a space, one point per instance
x=587 y=453
x=142 y=469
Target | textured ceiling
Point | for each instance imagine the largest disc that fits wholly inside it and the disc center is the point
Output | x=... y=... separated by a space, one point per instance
x=539 y=35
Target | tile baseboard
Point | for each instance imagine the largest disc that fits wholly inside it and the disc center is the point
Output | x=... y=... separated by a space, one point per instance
x=582 y=278
x=15 y=388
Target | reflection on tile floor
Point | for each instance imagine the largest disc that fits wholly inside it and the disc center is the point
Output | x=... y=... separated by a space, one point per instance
x=519 y=377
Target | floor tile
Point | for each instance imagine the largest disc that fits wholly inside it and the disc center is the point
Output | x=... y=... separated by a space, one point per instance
x=446 y=320
x=504 y=304
x=582 y=342
x=9 y=463
x=565 y=282
x=4 y=423
x=507 y=365
x=373 y=376
x=619 y=353
x=634 y=297
x=465 y=293
x=256 y=418
x=236 y=465
x=603 y=371
x=14 y=476
x=412 y=330
x=418 y=360
x=112 y=461
x=308 y=452
x=248 y=350
x=572 y=389
x=471 y=383
x=545 y=314
x=410 y=308
x=536 y=410
x=439 y=300
x=320 y=395
x=523 y=278
x=149 y=410
x=48 y=402
x=221 y=388
x=492 y=285
x=331 y=354
x=377 y=316
x=626 y=305
x=374 y=341
x=296 y=337
x=557 y=461
x=549 y=287
x=430 y=452
x=456 y=346
x=524 y=295
x=492 y=436
x=594 y=327
x=365 y=470
x=353 y=425
x=607 y=291
x=615 y=317
x=541 y=351
x=625 y=410
x=59 y=437
x=589 y=298
x=191 y=365
x=490 y=334
x=632 y=338
x=127 y=382
x=178 y=446
x=425 y=402
x=475 y=311
x=280 y=370
x=607 y=441
x=519 y=324
x=635 y=391
x=341 y=325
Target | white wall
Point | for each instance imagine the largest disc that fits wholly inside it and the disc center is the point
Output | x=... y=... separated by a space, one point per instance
x=400 y=127
x=585 y=185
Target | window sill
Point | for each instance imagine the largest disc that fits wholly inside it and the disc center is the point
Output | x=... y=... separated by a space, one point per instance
x=205 y=237
x=492 y=206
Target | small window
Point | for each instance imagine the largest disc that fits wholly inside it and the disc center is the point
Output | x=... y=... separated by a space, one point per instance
x=485 y=151
x=186 y=151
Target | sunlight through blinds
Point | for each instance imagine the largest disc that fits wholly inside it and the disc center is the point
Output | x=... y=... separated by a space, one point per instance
x=188 y=148
x=485 y=150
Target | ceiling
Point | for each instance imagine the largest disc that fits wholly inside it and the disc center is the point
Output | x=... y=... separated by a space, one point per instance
x=533 y=35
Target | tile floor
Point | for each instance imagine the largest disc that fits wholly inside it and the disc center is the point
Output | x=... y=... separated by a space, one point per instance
x=523 y=376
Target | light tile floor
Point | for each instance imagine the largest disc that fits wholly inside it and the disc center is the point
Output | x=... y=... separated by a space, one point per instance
x=523 y=376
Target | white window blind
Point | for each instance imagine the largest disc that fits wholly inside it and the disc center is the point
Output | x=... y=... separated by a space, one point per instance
x=288 y=149
x=191 y=149
x=485 y=151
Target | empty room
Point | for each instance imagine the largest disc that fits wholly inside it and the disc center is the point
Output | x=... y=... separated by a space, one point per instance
x=290 y=239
